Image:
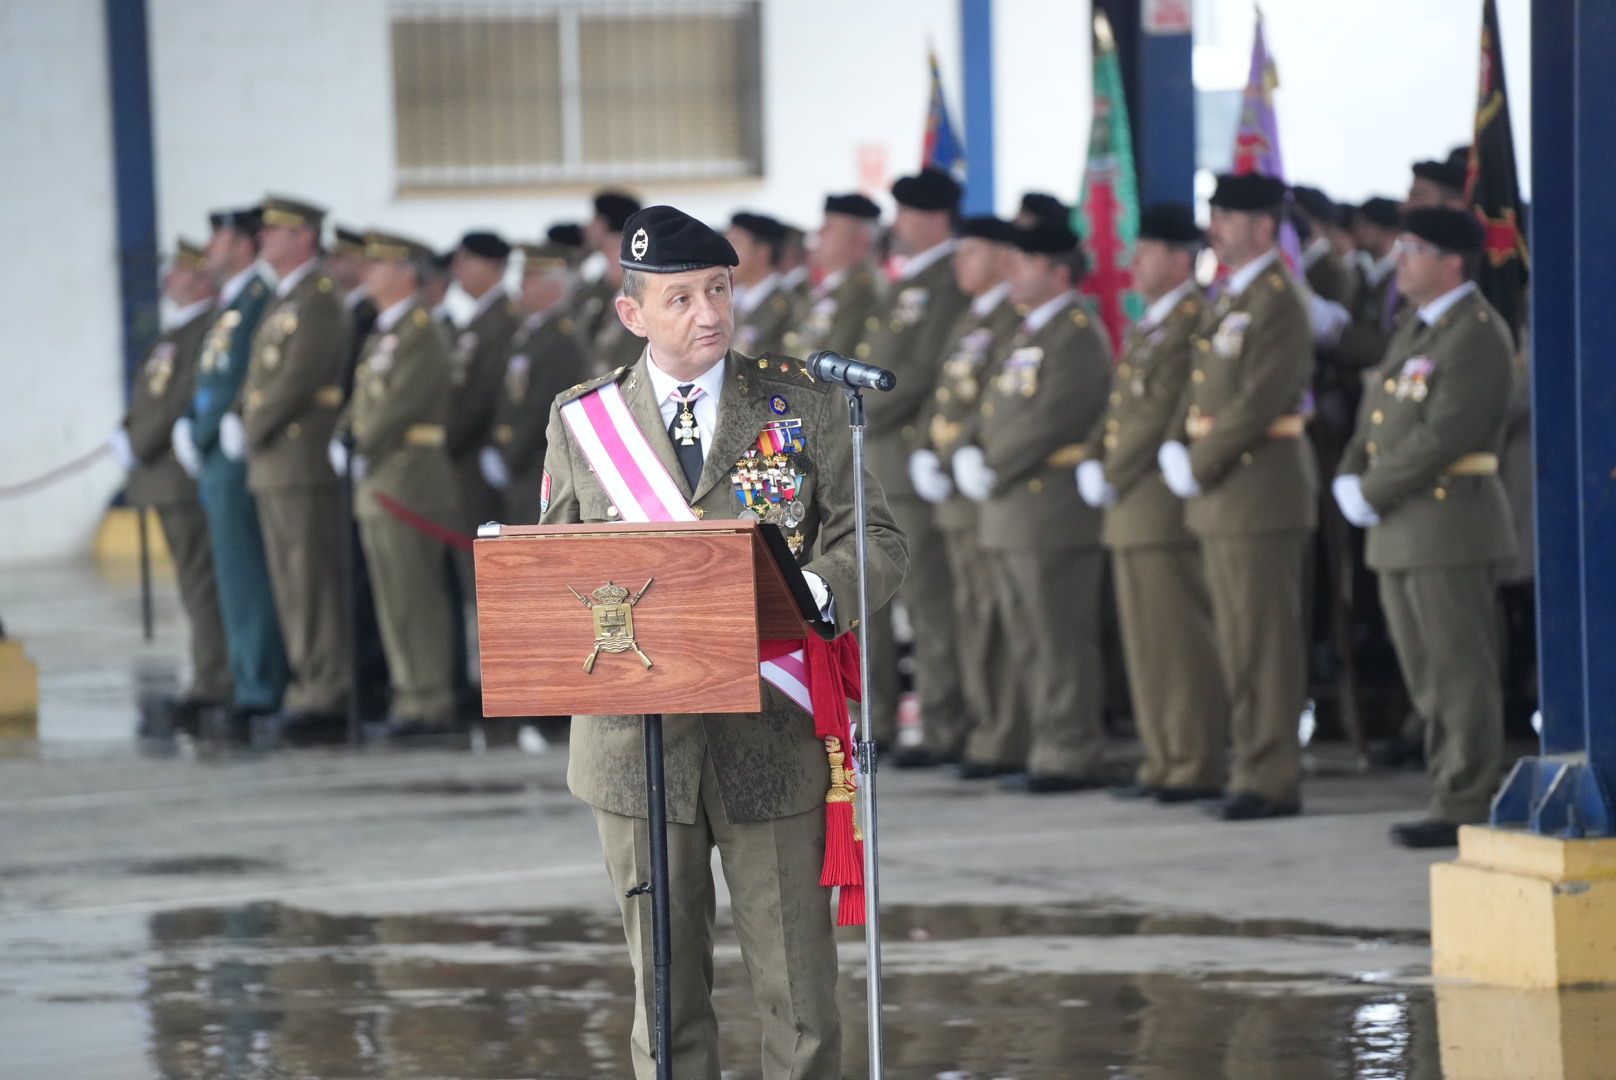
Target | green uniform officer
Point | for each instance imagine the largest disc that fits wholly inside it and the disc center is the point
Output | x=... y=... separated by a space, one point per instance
x=289 y=409
x=842 y=286
x=751 y=785
x=1252 y=488
x=763 y=308
x=1421 y=473
x=477 y=367
x=163 y=388
x=1165 y=613
x=988 y=681
x=906 y=332
x=252 y=632
x=396 y=418
x=594 y=307
x=1040 y=541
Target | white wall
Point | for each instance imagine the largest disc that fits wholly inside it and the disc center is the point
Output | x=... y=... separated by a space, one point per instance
x=60 y=360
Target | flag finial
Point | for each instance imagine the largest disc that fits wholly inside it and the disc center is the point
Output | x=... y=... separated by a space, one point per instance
x=1102 y=31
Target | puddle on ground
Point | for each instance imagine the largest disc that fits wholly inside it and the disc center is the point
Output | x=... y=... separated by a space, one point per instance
x=273 y=992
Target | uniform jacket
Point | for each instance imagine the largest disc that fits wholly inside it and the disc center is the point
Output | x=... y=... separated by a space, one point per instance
x=1374 y=314
x=222 y=367
x=545 y=360
x=769 y=765
x=476 y=367
x=615 y=346
x=163 y=389
x=949 y=421
x=763 y=329
x=1442 y=393
x=834 y=321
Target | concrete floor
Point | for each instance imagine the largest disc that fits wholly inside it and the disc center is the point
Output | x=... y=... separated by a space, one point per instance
x=182 y=911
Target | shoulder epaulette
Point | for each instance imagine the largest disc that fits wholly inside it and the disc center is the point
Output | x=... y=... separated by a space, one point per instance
x=572 y=393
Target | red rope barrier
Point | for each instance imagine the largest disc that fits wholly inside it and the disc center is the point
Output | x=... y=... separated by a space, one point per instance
x=421 y=524
x=61 y=472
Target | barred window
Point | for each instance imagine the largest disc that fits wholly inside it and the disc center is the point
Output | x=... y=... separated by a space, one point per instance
x=530 y=92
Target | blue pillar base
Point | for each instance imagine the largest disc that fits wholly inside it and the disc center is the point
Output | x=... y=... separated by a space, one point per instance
x=1559 y=795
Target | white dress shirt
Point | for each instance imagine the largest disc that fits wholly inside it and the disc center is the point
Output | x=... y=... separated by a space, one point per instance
x=290 y=281
x=1241 y=279
x=389 y=318
x=1039 y=317
x=666 y=390
x=982 y=306
x=183 y=316
x=233 y=287
x=486 y=301
x=913 y=266
x=1431 y=313
x=1164 y=305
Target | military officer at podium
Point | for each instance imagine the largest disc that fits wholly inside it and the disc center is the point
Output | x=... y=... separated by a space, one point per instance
x=752 y=785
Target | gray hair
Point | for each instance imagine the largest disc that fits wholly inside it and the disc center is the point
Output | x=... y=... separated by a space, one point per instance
x=634 y=284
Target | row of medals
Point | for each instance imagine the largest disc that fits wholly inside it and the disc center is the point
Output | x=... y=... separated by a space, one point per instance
x=767 y=480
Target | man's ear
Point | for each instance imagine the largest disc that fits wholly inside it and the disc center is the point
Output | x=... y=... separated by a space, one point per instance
x=628 y=312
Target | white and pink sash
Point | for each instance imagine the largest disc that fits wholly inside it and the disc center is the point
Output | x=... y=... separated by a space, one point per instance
x=643 y=490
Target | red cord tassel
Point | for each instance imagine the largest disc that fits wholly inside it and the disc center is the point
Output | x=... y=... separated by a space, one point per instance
x=850 y=908
x=844 y=862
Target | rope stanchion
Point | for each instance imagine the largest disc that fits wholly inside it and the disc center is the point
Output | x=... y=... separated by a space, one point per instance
x=421 y=524
x=60 y=472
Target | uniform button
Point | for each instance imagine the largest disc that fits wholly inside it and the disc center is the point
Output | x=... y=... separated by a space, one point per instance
x=1440 y=493
x=1195 y=410
x=1198 y=376
x=1372 y=448
x=987 y=408
x=873 y=323
x=1203 y=344
x=1124 y=370
x=1035 y=486
x=1245 y=459
x=943 y=394
x=293 y=431
x=1377 y=417
x=1390 y=386
x=909 y=431
x=1116 y=398
x=611 y=511
x=863 y=351
x=699 y=512
x=1113 y=425
x=896 y=324
x=1111 y=442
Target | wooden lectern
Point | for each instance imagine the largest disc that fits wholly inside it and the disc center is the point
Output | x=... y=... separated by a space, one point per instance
x=657 y=619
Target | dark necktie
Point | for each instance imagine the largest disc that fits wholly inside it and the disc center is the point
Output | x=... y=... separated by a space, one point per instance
x=686 y=435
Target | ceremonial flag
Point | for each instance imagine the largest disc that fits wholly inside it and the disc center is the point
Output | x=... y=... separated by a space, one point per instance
x=1256 y=142
x=1492 y=185
x=941 y=148
x=1107 y=216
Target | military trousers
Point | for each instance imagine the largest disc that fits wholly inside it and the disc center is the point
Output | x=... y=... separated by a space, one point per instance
x=252 y=632
x=412 y=612
x=1049 y=601
x=1256 y=586
x=782 y=918
x=304 y=531
x=1179 y=707
x=928 y=596
x=986 y=678
x=1444 y=625
x=185 y=527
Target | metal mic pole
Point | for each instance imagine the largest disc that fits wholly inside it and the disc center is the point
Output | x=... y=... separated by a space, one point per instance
x=866 y=744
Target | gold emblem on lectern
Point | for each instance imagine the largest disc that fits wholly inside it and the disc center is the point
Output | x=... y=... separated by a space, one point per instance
x=614 y=621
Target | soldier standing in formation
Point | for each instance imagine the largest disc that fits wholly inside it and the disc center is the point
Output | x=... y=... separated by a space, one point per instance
x=1163 y=606
x=290 y=402
x=832 y=312
x=477 y=364
x=163 y=387
x=1421 y=474
x=1041 y=543
x=763 y=309
x=606 y=341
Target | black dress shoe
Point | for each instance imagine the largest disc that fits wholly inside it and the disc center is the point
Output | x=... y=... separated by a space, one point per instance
x=1031 y=783
x=422 y=735
x=1247 y=806
x=918 y=757
x=1398 y=753
x=1133 y=791
x=300 y=728
x=982 y=770
x=1187 y=794
x=1426 y=834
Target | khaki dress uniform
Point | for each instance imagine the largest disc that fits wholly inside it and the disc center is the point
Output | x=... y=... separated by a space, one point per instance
x=291 y=398
x=477 y=365
x=591 y=304
x=1165 y=612
x=833 y=318
x=545 y=360
x=162 y=393
x=1426 y=451
x=1252 y=360
x=753 y=785
x=397 y=417
x=763 y=328
x=614 y=345
x=907 y=332
x=987 y=680
x=1042 y=545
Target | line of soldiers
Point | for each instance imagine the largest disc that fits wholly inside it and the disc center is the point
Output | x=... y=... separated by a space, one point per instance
x=1197 y=455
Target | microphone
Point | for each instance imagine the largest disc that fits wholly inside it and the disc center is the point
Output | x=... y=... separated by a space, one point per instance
x=833 y=367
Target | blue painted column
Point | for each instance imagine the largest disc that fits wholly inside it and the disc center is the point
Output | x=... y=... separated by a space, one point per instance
x=134 y=177
x=1158 y=73
x=976 y=54
x=1566 y=791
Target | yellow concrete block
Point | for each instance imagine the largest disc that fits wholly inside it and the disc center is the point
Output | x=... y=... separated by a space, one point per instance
x=1495 y=1033
x=1525 y=911
x=117 y=544
x=19 y=692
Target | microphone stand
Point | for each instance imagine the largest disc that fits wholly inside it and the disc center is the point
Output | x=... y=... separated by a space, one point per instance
x=865 y=743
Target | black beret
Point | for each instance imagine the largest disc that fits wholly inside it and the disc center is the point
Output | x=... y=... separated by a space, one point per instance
x=988 y=227
x=853 y=205
x=1314 y=203
x=1171 y=223
x=1249 y=192
x=930 y=189
x=665 y=240
x=349 y=241
x=445 y=259
x=1046 y=238
x=1387 y=213
x=567 y=235
x=245 y=220
x=1451 y=230
x=1448 y=174
x=1045 y=207
x=759 y=226
x=616 y=207
x=486 y=244
x=1460 y=155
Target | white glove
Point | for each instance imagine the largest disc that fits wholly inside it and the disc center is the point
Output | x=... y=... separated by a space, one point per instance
x=822 y=596
x=1174 y=461
x=361 y=467
x=118 y=443
x=931 y=481
x=492 y=463
x=1349 y=496
x=1329 y=319
x=972 y=474
x=337 y=454
x=1092 y=485
x=232 y=437
x=185 y=451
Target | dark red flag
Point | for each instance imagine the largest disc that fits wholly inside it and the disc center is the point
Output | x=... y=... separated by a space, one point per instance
x=1492 y=186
